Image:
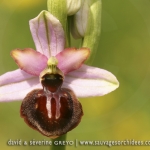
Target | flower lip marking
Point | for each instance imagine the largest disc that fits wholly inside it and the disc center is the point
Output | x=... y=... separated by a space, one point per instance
x=53 y=110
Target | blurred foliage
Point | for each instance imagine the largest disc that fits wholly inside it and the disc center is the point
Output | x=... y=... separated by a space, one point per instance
x=124 y=49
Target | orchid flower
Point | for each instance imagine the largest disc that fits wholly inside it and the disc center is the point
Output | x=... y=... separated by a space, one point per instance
x=49 y=39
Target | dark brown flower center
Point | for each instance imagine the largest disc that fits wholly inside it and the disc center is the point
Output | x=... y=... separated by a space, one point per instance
x=53 y=111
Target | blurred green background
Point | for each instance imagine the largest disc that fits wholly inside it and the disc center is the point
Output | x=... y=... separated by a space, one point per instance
x=124 y=49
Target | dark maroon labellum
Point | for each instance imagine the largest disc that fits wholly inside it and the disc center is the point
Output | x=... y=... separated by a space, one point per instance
x=53 y=111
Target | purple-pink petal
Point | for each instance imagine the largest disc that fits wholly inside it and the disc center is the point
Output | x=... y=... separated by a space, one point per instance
x=30 y=60
x=14 y=76
x=71 y=59
x=47 y=33
x=18 y=90
x=90 y=81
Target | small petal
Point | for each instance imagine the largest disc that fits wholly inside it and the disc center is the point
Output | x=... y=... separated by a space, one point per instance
x=14 y=76
x=47 y=33
x=71 y=59
x=30 y=60
x=90 y=81
x=18 y=90
x=73 y=6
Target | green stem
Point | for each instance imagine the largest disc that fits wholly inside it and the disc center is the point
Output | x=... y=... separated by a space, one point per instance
x=59 y=147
